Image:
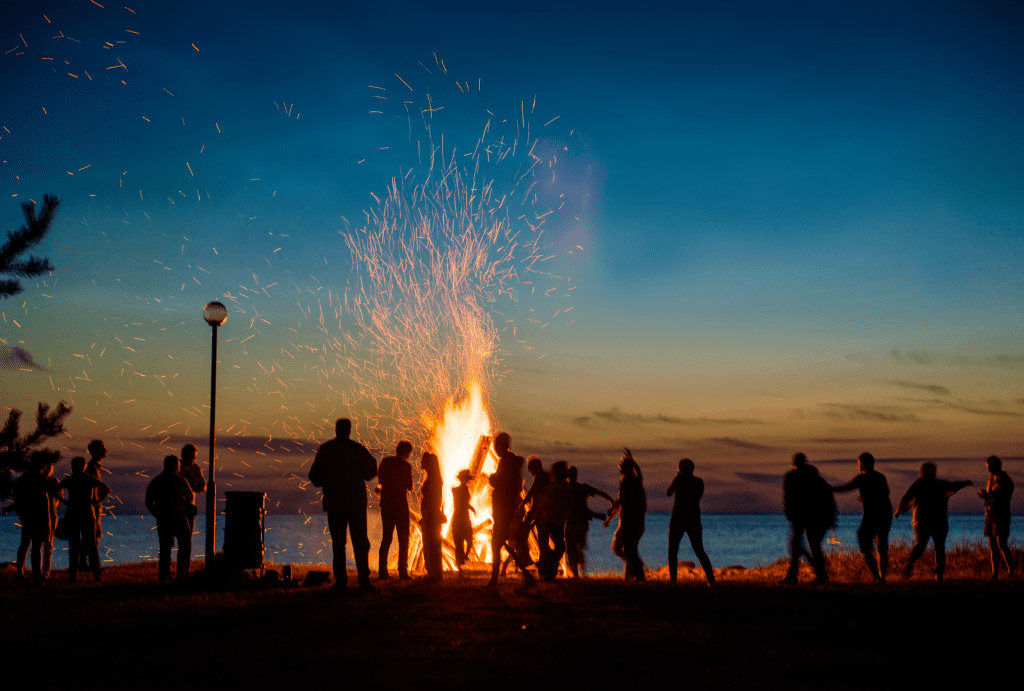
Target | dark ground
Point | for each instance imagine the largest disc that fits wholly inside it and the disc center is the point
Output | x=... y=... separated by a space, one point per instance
x=128 y=632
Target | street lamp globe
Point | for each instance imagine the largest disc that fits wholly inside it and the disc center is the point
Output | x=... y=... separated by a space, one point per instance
x=215 y=314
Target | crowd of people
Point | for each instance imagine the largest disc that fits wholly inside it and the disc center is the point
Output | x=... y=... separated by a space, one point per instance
x=554 y=510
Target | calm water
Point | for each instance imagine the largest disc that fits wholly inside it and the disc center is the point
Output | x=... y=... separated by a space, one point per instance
x=743 y=539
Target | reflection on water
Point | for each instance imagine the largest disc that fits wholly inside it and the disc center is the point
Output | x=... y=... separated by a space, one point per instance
x=744 y=539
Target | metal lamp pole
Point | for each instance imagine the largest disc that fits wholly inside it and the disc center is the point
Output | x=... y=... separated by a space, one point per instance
x=215 y=315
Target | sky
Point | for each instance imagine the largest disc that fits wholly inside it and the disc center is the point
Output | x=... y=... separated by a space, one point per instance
x=779 y=227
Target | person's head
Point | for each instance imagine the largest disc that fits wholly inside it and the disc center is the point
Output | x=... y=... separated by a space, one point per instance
x=928 y=469
x=171 y=464
x=560 y=470
x=96 y=449
x=799 y=460
x=574 y=473
x=464 y=476
x=865 y=462
x=77 y=464
x=993 y=464
x=534 y=466
x=686 y=467
x=429 y=463
x=343 y=428
x=404 y=449
x=502 y=442
x=627 y=466
x=189 y=452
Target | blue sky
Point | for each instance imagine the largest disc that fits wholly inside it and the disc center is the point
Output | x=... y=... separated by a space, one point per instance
x=801 y=223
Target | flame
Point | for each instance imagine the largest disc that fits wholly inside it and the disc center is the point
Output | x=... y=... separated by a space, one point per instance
x=456 y=437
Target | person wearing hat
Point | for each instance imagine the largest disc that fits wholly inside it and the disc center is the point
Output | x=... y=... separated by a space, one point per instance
x=462 y=527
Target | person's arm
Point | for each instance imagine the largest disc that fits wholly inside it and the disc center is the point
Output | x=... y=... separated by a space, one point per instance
x=369 y=465
x=851 y=485
x=151 y=504
x=672 y=487
x=102 y=492
x=316 y=471
x=407 y=480
x=905 y=501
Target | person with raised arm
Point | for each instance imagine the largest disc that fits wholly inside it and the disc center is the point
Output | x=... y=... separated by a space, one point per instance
x=395 y=478
x=997 y=494
x=341 y=469
x=578 y=525
x=631 y=508
x=930 y=497
x=877 y=519
x=685 y=520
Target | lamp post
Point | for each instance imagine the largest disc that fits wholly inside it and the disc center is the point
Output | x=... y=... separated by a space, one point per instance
x=215 y=314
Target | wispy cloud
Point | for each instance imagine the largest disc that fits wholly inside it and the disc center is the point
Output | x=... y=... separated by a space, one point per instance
x=15 y=358
x=872 y=413
x=614 y=416
x=739 y=443
x=932 y=388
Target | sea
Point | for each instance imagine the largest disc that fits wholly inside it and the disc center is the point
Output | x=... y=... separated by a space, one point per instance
x=748 y=540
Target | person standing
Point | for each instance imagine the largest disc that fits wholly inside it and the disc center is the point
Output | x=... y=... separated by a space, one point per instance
x=631 y=507
x=97 y=452
x=462 y=526
x=507 y=488
x=193 y=474
x=341 y=468
x=170 y=498
x=809 y=511
x=997 y=494
x=33 y=502
x=686 y=520
x=395 y=477
x=877 y=520
x=552 y=515
x=578 y=525
x=85 y=493
x=432 y=517
x=930 y=497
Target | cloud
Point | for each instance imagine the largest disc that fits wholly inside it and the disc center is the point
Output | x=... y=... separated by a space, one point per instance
x=983 y=411
x=739 y=443
x=15 y=358
x=873 y=413
x=614 y=416
x=932 y=388
x=774 y=479
x=917 y=357
x=922 y=358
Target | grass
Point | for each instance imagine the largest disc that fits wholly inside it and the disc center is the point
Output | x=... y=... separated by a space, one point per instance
x=747 y=632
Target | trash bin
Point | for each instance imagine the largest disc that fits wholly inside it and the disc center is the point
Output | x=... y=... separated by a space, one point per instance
x=243 y=529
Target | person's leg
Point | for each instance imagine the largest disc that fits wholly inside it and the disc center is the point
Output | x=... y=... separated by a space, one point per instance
x=499 y=531
x=675 y=534
x=360 y=545
x=796 y=548
x=883 y=548
x=184 y=535
x=1004 y=551
x=866 y=540
x=74 y=548
x=574 y=534
x=92 y=551
x=557 y=535
x=939 y=536
x=402 y=528
x=921 y=536
x=632 y=550
x=26 y=542
x=696 y=533
x=387 y=523
x=165 y=534
x=337 y=523
x=37 y=553
x=814 y=539
x=48 y=553
x=546 y=553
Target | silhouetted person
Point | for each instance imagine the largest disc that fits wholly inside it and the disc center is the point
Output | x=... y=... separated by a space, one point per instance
x=193 y=474
x=34 y=497
x=552 y=515
x=395 y=478
x=462 y=526
x=631 y=508
x=930 y=497
x=507 y=488
x=809 y=507
x=526 y=515
x=578 y=525
x=686 y=520
x=85 y=493
x=341 y=468
x=432 y=517
x=877 y=519
x=997 y=494
x=171 y=500
x=97 y=452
